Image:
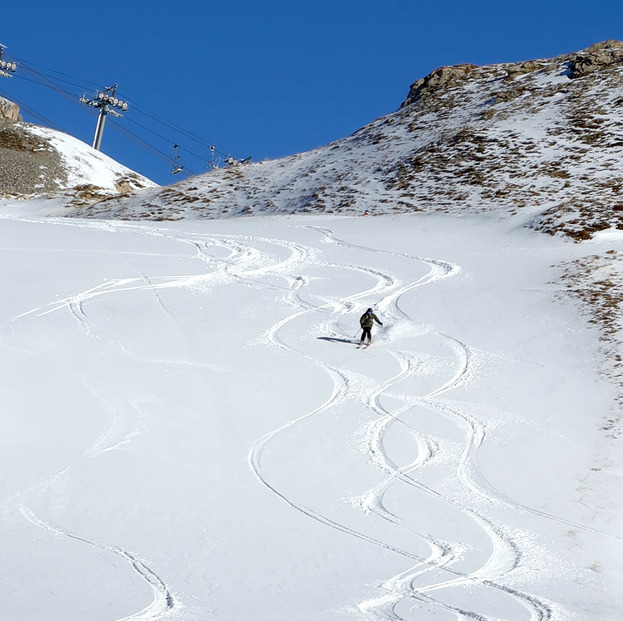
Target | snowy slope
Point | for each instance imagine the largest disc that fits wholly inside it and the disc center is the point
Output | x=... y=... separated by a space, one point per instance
x=190 y=432
x=539 y=141
x=42 y=162
x=85 y=165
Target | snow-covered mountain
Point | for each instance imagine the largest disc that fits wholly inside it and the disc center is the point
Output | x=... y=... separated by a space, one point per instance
x=540 y=139
x=43 y=162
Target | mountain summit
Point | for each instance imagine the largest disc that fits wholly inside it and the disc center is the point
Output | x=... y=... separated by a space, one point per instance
x=540 y=138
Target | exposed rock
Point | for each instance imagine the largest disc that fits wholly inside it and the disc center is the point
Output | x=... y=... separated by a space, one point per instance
x=596 y=57
x=129 y=183
x=37 y=161
x=515 y=70
x=9 y=111
x=437 y=80
x=28 y=166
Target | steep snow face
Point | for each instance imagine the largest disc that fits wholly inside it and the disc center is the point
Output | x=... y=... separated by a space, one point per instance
x=190 y=433
x=37 y=161
x=538 y=140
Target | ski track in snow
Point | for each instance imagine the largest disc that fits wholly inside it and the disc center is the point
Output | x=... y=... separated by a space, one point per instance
x=401 y=587
x=245 y=263
x=163 y=602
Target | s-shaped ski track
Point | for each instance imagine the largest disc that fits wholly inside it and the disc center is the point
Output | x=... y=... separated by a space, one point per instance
x=503 y=545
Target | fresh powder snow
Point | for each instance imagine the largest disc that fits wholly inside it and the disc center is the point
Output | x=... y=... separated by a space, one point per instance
x=190 y=433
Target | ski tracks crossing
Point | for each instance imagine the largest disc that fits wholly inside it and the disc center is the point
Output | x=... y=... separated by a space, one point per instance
x=506 y=553
x=421 y=589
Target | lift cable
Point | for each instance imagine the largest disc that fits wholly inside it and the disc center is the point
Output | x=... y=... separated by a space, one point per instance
x=50 y=82
x=43 y=69
x=74 y=100
x=178 y=129
x=144 y=144
x=151 y=131
x=33 y=112
x=45 y=81
x=123 y=131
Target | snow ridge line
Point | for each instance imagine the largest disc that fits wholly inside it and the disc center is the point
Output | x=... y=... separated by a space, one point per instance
x=75 y=304
x=474 y=441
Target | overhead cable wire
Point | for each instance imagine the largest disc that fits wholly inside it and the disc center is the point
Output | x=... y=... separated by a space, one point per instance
x=51 y=82
x=178 y=129
x=33 y=112
x=72 y=96
x=147 y=146
x=130 y=120
x=32 y=65
x=74 y=99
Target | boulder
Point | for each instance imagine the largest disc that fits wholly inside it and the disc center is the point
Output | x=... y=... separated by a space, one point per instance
x=9 y=111
x=517 y=69
x=437 y=80
x=596 y=57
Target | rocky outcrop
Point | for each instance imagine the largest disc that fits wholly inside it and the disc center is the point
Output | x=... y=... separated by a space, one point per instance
x=596 y=57
x=9 y=111
x=437 y=80
x=518 y=69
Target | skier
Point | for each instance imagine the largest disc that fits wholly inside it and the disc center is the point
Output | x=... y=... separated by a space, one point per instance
x=367 y=321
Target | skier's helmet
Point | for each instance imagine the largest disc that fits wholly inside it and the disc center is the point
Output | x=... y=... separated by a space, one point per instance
x=369 y=311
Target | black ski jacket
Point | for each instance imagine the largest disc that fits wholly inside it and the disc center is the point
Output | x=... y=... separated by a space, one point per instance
x=367 y=320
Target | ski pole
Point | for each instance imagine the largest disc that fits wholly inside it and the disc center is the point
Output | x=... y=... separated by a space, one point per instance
x=356 y=333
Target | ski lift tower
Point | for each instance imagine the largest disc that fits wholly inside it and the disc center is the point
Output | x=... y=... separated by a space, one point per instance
x=106 y=102
x=7 y=69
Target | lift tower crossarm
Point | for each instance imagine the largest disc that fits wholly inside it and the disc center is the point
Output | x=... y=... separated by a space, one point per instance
x=106 y=102
x=7 y=69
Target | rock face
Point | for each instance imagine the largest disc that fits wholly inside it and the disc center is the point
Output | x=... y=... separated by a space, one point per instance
x=437 y=80
x=9 y=111
x=597 y=57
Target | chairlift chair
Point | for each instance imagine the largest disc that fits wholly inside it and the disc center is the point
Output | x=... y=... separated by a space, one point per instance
x=179 y=167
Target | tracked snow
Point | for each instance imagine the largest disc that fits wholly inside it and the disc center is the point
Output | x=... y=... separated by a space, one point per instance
x=189 y=431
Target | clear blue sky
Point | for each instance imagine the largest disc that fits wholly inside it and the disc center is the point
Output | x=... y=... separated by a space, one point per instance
x=264 y=78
